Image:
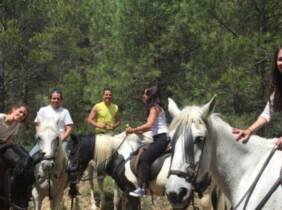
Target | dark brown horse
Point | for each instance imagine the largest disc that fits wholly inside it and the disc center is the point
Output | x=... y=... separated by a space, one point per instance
x=16 y=177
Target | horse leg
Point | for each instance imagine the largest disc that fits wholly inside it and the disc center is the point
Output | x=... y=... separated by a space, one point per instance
x=100 y=180
x=56 y=200
x=37 y=202
x=4 y=205
x=133 y=203
x=37 y=199
x=116 y=196
x=76 y=204
x=91 y=183
x=123 y=201
x=220 y=201
x=205 y=202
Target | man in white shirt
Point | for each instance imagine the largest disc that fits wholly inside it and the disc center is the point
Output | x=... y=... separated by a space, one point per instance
x=65 y=124
x=56 y=111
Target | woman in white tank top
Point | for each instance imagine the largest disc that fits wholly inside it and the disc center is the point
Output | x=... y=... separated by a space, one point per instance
x=156 y=122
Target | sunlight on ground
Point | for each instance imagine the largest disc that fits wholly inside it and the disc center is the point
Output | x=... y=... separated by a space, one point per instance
x=157 y=203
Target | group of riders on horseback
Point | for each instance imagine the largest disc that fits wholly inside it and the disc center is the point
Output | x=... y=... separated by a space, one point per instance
x=105 y=118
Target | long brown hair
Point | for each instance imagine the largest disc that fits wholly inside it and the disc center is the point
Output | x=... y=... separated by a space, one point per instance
x=276 y=84
x=19 y=106
x=154 y=97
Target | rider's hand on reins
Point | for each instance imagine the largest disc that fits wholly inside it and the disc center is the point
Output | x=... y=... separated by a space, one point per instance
x=242 y=135
x=279 y=143
x=128 y=129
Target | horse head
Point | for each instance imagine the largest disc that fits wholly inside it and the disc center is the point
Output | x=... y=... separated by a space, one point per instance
x=188 y=132
x=49 y=143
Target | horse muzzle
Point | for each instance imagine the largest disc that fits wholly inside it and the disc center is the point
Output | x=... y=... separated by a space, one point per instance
x=47 y=165
x=179 y=192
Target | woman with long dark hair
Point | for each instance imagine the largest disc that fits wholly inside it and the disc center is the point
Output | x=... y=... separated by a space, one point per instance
x=274 y=104
x=156 y=122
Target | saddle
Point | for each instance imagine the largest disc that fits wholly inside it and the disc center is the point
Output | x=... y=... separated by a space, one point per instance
x=17 y=159
x=155 y=166
x=11 y=154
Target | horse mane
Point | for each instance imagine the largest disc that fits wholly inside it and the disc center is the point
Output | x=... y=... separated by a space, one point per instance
x=104 y=148
x=48 y=123
x=253 y=140
x=106 y=145
x=193 y=114
x=183 y=121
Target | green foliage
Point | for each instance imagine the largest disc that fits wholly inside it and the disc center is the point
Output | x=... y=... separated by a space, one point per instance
x=191 y=49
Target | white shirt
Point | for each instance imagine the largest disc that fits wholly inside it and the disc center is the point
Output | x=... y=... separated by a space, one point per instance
x=7 y=130
x=160 y=125
x=268 y=109
x=61 y=114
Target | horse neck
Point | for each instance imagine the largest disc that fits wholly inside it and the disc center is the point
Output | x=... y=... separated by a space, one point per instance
x=60 y=159
x=129 y=144
x=231 y=161
x=105 y=146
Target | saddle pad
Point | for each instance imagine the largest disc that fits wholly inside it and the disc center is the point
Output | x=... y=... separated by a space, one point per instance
x=155 y=167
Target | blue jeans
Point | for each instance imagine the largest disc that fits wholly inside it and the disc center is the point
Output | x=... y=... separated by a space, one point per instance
x=36 y=148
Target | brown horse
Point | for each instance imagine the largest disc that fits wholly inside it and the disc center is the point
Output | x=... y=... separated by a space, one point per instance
x=16 y=177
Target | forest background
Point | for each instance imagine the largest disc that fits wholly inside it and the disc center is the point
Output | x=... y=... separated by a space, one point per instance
x=192 y=49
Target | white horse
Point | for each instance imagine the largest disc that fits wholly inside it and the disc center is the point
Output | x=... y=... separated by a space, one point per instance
x=205 y=143
x=113 y=154
x=50 y=173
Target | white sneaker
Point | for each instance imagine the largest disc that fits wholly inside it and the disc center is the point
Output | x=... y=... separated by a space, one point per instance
x=138 y=192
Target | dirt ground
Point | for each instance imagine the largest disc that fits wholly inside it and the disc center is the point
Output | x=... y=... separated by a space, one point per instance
x=159 y=203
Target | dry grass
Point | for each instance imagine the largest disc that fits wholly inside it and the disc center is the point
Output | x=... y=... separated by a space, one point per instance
x=148 y=203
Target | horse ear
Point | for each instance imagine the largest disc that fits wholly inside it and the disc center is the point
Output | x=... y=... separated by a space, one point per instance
x=208 y=108
x=173 y=108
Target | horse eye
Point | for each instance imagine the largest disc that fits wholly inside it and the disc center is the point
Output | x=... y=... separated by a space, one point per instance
x=199 y=139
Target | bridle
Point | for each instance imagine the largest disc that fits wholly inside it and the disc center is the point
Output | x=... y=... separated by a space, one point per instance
x=53 y=156
x=192 y=170
x=49 y=158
